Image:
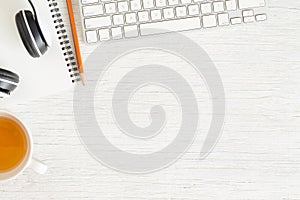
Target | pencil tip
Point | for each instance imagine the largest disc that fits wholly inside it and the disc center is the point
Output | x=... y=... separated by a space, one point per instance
x=82 y=79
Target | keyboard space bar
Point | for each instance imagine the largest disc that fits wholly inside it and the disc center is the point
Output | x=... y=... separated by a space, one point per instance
x=170 y=26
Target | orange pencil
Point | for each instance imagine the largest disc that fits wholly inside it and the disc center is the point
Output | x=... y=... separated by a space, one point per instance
x=75 y=39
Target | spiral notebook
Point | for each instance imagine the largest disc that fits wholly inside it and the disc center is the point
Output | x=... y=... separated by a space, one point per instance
x=54 y=72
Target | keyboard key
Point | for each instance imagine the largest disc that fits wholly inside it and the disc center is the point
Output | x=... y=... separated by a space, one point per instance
x=249 y=19
x=97 y=22
x=130 y=18
x=122 y=6
x=209 y=21
x=230 y=5
x=219 y=6
x=261 y=17
x=170 y=26
x=206 y=8
x=160 y=3
x=104 y=34
x=181 y=11
x=248 y=13
x=193 y=10
x=89 y=1
x=118 y=19
x=131 y=31
x=148 y=4
x=116 y=33
x=236 y=20
x=223 y=19
x=168 y=13
x=186 y=1
x=91 y=36
x=92 y=10
x=243 y=4
x=173 y=2
x=110 y=8
x=135 y=5
x=155 y=15
x=143 y=16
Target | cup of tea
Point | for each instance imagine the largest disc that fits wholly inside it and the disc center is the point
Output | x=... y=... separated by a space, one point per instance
x=16 y=148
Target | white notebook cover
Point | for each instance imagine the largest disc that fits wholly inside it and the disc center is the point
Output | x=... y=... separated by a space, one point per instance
x=38 y=77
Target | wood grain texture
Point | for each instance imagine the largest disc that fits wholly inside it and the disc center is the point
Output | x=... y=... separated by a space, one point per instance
x=257 y=156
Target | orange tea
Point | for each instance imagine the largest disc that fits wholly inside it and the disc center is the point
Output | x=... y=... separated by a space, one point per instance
x=13 y=143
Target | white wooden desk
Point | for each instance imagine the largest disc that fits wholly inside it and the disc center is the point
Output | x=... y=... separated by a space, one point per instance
x=257 y=156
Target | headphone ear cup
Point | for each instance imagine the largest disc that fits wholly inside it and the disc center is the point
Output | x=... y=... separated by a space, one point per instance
x=8 y=75
x=8 y=81
x=25 y=35
x=31 y=34
x=7 y=88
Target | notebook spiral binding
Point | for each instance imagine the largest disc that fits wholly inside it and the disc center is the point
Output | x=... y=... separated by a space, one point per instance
x=64 y=41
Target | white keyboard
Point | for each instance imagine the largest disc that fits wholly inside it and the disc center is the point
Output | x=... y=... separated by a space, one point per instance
x=113 y=20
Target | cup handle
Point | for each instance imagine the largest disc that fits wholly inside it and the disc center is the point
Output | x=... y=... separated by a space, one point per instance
x=38 y=166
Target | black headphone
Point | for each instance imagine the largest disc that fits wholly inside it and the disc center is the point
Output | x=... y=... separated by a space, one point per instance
x=8 y=82
x=33 y=37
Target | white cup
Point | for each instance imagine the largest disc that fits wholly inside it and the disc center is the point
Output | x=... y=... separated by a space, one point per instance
x=28 y=160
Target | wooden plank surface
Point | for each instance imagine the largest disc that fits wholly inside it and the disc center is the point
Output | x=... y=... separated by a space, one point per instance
x=257 y=156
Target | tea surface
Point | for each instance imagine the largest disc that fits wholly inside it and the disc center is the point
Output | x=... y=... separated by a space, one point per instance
x=13 y=144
